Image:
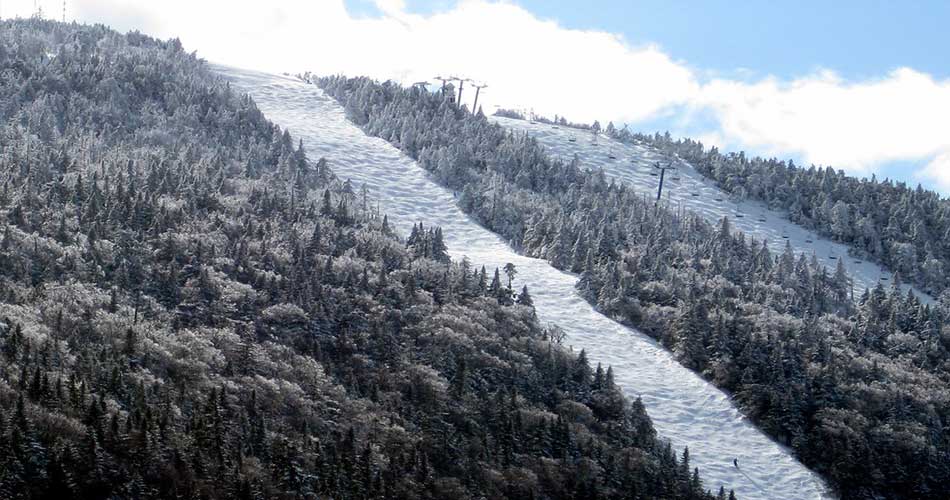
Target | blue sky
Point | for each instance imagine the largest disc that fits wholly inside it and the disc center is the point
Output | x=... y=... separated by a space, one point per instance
x=857 y=39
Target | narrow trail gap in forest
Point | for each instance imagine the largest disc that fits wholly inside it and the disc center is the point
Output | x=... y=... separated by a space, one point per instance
x=632 y=164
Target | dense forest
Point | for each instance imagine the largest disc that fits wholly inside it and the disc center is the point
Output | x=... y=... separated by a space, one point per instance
x=906 y=229
x=857 y=388
x=190 y=307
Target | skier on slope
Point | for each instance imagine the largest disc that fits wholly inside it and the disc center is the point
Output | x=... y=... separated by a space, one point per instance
x=735 y=461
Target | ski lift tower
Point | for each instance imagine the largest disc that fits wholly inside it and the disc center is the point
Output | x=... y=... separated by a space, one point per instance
x=669 y=166
x=443 y=80
x=461 y=85
x=478 y=89
x=420 y=85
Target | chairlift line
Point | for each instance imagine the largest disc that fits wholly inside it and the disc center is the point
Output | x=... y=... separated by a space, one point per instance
x=655 y=170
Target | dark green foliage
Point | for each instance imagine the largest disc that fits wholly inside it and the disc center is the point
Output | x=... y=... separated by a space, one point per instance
x=906 y=229
x=191 y=308
x=858 y=389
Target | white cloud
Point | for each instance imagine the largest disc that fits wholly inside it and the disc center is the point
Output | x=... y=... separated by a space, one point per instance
x=857 y=126
x=527 y=61
x=535 y=63
x=938 y=171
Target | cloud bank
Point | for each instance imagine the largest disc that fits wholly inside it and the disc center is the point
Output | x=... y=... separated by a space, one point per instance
x=533 y=63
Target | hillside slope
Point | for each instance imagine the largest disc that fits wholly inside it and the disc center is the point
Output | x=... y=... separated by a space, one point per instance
x=831 y=377
x=191 y=307
x=905 y=228
x=683 y=407
x=688 y=189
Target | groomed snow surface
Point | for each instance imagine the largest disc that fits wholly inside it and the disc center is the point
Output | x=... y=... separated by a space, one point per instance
x=686 y=189
x=685 y=409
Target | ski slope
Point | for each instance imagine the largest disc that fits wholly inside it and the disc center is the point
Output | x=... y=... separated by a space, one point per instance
x=684 y=408
x=686 y=189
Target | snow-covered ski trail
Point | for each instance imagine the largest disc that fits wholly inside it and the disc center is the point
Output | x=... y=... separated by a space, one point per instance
x=685 y=409
x=686 y=188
